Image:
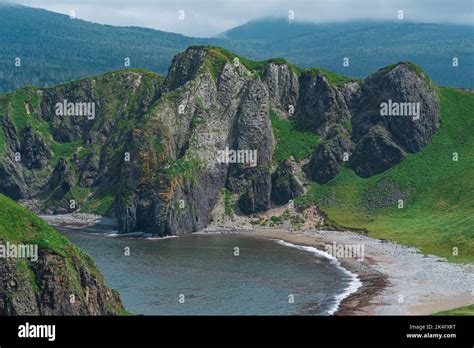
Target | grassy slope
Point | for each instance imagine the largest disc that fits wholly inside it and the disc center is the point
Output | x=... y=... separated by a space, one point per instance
x=20 y=226
x=292 y=139
x=439 y=212
x=468 y=310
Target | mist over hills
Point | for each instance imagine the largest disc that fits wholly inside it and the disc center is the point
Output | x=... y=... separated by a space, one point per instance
x=54 y=48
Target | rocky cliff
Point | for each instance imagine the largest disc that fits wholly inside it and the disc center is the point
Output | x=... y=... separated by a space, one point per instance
x=42 y=273
x=158 y=153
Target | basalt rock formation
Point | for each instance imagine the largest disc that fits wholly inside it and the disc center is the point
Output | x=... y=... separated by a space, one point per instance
x=158 y=152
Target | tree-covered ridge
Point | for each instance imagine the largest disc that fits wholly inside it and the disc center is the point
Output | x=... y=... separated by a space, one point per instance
x=54 y=48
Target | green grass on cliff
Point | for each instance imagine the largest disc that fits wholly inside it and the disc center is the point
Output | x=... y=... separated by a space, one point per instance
x=20 y=226
x=333 y=78
x=438 y=212
x=219 y=56
x=292 y=139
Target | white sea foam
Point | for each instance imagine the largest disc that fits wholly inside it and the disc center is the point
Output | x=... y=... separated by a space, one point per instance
x=354 y=283
x=160 y=238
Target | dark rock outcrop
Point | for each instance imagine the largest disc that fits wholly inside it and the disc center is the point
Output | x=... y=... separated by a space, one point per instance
x=12 y=182
x=34 y=150
x=11 y=136
x=253 y=133
x=57 y=192
x=285 y=186
x=327 y=159
x=371 y=133
x=321 y=104
x=184 y=67
x=61 y=181
x=400 y=84
x=375 y=153
x=283 y=86
x=89 y=169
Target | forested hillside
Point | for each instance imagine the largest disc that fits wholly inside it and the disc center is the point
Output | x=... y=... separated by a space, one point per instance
x=54 y=48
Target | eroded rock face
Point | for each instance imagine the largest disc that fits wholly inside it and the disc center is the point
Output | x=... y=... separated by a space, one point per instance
x=285 y=185
x=48 y=287
x=400 y=85
x=376 y=142
x=198 y=116
x=61 y=181
x=13 y=183
x=157 y=153
x=324 y=165
x=253 y=133
x=321 y=104
x=11 y=137
x=34 y=150
x=88 y=170
x=327 y=159
x=184 y=67
x=375 y=153
x=283 y=86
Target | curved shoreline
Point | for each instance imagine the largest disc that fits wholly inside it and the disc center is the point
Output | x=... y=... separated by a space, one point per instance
x=395 y=279
x=96 y=224
x=371 y=281
x=354 y=283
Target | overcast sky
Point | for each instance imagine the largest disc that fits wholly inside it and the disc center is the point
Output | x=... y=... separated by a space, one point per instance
x=211 y=17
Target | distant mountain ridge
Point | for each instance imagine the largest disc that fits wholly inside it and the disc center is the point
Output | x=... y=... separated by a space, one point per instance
x=54 y=48
x=367 y=44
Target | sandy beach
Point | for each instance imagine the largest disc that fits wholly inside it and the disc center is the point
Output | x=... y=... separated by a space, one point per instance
x=396 y=280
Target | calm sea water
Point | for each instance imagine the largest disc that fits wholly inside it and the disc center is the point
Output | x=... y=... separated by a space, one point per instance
x=203 y=268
